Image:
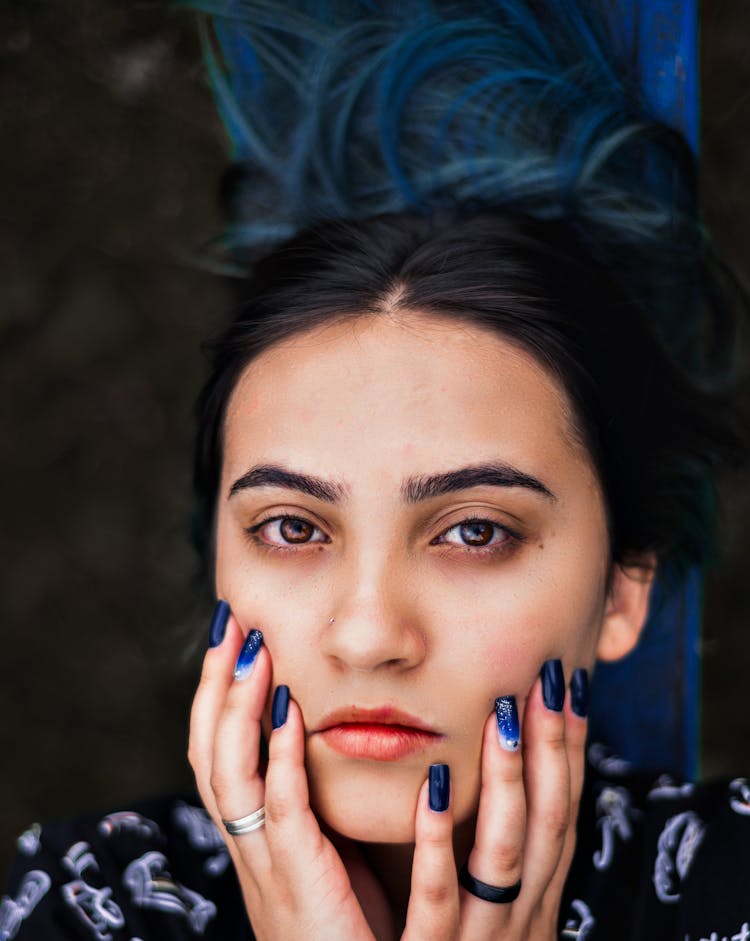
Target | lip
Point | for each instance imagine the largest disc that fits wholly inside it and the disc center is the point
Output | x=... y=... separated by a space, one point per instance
x=384 y=733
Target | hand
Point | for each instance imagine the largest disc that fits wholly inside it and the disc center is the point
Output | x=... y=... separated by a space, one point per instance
x=293 y=881
x=526 y=829
x=296 y=884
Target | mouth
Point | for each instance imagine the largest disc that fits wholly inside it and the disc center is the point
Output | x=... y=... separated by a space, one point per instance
x=382 y=734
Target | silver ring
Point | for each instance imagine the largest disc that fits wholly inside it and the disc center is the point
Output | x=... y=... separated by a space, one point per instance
x=253 y=821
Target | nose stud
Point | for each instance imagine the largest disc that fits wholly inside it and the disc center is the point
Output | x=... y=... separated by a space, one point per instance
x=331 y=620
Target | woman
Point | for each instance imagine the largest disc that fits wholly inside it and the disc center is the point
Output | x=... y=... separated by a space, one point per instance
x=419 y=508
x=436 y=482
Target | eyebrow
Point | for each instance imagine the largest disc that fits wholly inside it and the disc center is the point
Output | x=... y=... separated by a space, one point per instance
x=494 y=474
x=414 y=490
x=271 y=475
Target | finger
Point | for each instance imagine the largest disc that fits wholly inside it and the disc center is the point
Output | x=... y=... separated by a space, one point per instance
x=547 y=779
x=576 y=727
x=433 y=910
x=498 y=852
x=215 y=680
x=308 y=872
x=292 y=830
x=235 y=780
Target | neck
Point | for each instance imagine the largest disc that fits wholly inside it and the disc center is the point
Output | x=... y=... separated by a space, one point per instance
x=391 y=863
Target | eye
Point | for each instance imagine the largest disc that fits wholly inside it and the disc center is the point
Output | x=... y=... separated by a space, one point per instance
x=285 y=531
x=477 y=534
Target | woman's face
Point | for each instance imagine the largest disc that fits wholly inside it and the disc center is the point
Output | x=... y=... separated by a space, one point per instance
x=408 y=516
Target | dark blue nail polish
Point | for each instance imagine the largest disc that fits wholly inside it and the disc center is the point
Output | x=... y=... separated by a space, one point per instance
x=579 y=692
x=218 y=624
x=440 y=788
x=246 y=659
x=553 y=685
x=508 y=726
x=280 y=706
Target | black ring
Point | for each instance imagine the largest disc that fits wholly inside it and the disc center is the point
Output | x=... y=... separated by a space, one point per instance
x=486 y=892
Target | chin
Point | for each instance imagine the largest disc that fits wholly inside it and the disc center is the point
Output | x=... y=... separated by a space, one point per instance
x=364 y=830
x=367 y=801
x=376 y=801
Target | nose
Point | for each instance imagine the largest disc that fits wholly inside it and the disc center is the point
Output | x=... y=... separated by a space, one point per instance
x=375 y=623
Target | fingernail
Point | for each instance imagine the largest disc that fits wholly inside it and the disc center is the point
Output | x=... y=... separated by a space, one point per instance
x=218 y=624
x=579 y=692
x=508 y=727
x=246 y=659
x=553 y=685
x=440 y=788
x=280 y=706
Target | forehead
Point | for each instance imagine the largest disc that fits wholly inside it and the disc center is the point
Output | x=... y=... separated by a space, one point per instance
x=409 y=392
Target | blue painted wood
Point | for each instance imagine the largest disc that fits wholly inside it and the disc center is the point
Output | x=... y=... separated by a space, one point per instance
x=647 y=706
x=668 y=62
x=660 y=40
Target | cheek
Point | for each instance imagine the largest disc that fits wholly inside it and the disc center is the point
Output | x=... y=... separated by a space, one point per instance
x=288 y=607
x=259 y=588
x=499 y=656
x=507 y=624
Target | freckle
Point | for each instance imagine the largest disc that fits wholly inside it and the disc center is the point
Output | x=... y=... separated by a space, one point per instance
x=541 y=545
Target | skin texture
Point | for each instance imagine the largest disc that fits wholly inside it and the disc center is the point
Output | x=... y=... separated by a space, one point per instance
x=422 y=621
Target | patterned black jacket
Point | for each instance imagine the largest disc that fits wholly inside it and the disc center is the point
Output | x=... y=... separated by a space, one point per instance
x=655 y=860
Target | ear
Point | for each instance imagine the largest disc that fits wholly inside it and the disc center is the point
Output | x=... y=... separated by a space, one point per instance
x=626 y=608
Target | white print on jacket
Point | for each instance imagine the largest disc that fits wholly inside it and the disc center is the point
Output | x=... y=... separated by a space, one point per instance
x=92 y=905
x=676 y=847
x=29 y=841
x=615 y=815
x=739 y=796
x=202 y=834
x=13 y=912
x=607 y=763
x=152 y=886
x=79 y=858
x=742 y=935
x=666 y=788
x=580 y=925
x=127 y=820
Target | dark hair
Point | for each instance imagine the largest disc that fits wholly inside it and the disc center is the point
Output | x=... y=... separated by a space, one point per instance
x=654 y=434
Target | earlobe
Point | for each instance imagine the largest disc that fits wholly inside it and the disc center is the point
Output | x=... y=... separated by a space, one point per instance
x=626 y=609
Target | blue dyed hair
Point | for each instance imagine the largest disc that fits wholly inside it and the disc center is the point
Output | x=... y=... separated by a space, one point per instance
x=426 y=114
x=346 y=110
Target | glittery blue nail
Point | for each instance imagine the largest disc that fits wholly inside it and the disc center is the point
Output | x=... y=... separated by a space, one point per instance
x=218 y=624
x=508 y=728
x=246 y=659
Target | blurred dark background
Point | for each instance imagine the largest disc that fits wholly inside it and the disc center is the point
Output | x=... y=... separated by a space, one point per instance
x=111 y=152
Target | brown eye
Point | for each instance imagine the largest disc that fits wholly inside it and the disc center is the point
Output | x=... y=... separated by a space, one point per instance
x=478 y=533
x=286 y=531
x=295 y=530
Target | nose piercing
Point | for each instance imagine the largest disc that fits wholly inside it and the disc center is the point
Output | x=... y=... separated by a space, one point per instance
x=331 y=620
